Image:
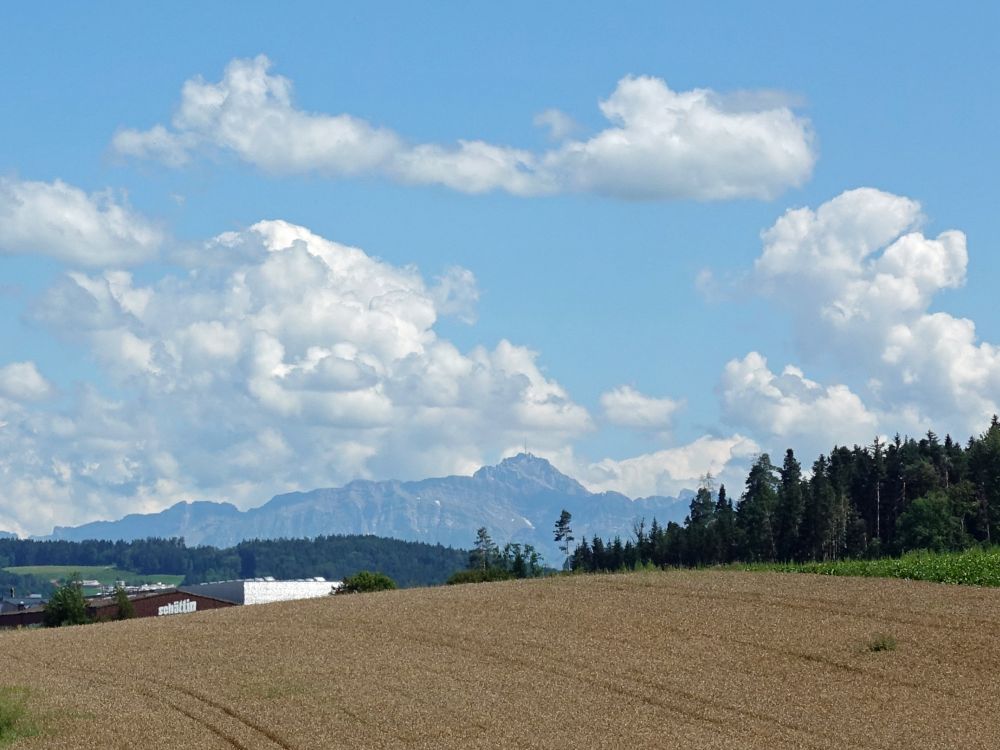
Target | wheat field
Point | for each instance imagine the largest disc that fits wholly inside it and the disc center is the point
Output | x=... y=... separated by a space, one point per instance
x=701 y=659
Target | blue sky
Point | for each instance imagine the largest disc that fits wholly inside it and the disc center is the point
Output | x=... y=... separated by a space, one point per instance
x=621 y=288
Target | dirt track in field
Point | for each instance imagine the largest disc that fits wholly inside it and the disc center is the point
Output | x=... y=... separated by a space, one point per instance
x=657 y=660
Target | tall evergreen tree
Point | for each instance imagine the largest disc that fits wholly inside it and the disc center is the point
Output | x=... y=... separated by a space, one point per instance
x=700 y=535
x=876 y=480
x=725 y=528
x=817 y=536
x=563 y=533
x=485 y=553
x=789 y=508
x=984 y=470
x=755 y=514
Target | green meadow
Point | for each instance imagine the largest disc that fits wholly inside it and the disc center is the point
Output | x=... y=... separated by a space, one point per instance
x=971 y=567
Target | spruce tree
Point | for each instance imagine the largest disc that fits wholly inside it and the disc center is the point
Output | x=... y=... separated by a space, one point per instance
x=563 y=533
x=485 y=552
x=755 y=514
x=701 y=527
x=789 y=508
x=725 y=528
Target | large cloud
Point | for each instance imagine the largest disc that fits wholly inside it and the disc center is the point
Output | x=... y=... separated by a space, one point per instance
x=62 y=221
x=282 y=360
x=860 y=279
x=791 y=411
x=660 y=144
x=667 y=471
x=626 y=407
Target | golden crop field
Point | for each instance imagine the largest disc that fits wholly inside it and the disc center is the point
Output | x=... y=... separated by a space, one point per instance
x=650 y=660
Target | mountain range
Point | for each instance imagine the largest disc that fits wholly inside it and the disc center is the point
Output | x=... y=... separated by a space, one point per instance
x=518 y=500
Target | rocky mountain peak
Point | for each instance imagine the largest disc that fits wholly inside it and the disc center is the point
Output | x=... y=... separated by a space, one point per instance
x=530 y=473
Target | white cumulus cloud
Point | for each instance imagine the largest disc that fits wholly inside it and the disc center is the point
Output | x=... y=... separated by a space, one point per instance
x=861 y=278
x=660 y=143
x=792 y=410
x=21 y=381
x=668 y=471
x=282 y=361
x=64 y=222
x=626 y=407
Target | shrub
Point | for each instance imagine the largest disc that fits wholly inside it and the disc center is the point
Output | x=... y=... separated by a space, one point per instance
x=67 y=606
x=480 y=575
x=364 y=581
x=126 y=610
x=882 y=642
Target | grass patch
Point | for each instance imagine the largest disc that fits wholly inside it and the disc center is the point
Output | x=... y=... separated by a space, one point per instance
x=14 y=719
x=972 y=567
x=882 y=642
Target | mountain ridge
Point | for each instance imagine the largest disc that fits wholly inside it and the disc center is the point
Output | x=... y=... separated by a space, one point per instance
x=517 y=500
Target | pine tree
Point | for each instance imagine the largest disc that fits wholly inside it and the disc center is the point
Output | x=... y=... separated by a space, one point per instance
x=817 y=531
x=725 y=528
x=485 y=553
x=755 y=514
x=789 y=508
x=984 y=470
x=563 y=533
x=701 y=527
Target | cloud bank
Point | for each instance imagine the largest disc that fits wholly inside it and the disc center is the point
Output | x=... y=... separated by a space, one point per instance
x=670 y=470
x=282 y=360
x=62 y=221
x=859 y=278
x=659 y=144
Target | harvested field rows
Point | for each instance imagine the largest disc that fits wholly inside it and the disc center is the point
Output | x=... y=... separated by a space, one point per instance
x=690 y=660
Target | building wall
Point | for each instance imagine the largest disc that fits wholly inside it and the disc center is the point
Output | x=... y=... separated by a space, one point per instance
x=22 y=619
x=157 y=605
x=263 y=592
x=145 y=606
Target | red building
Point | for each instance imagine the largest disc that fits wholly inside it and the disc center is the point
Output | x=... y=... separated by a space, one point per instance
x=156 y=604
x=150 y=604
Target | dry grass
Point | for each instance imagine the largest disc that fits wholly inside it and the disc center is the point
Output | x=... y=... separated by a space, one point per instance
x=686 y=660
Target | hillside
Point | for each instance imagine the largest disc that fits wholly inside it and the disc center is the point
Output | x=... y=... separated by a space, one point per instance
x=518 y=500
x=692 y=660
x=150 y=560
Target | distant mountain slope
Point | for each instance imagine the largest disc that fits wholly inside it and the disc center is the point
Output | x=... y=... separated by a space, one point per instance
x=518 y=500
x=8 y=535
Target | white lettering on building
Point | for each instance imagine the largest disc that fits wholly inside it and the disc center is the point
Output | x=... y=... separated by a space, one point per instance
x=177 y=608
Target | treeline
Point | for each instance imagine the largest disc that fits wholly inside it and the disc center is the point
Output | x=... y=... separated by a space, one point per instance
x=20 y=585
x=487 y=562
x=871 y=501
x=141 y=556
x=333 y=557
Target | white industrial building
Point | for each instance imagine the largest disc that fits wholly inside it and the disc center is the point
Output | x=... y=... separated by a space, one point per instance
x=264 y=590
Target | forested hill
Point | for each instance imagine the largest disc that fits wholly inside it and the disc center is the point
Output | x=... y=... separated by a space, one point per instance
x=885 y=498
x=333 y=557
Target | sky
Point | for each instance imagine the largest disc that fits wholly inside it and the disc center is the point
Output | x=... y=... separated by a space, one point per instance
x=248 y=249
